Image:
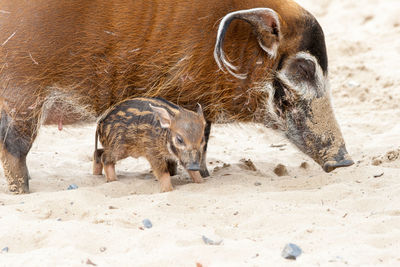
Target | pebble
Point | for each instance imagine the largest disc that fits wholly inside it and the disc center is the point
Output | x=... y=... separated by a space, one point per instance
x=208 y=241
x=147 y=223
x=376 y=162
x=89 y=262
x=281 y=170
x=352 y=83
x=291 y=251
x=304 y=165
x=247 y=164
x=72 y=187
x=102 y=249
x=257 y=183
x=4 y=250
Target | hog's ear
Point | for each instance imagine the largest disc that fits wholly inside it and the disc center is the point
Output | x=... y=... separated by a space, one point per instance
x=200 y=110
x=265 y=23
x=163 y=116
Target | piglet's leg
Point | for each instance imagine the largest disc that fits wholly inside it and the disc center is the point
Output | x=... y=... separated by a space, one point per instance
x=165 y=182
x=109 y=166
x=196 y=177
x=109 y=169
x=160 y=170
x=97 y=165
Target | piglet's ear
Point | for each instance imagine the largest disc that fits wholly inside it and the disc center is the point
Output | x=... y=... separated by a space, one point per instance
x=200 y=110
x=162 y=115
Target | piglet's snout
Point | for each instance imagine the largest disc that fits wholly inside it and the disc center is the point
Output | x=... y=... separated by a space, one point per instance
x=194 y=161
x=193 y=167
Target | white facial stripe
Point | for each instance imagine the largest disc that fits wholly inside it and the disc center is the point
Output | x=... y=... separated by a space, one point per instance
x=306 y=90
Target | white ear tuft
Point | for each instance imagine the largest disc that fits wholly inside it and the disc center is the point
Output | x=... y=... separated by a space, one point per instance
x=162 y=115
x=266 y=24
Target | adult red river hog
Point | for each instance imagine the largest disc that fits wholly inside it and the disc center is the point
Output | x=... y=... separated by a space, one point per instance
x=260 y=61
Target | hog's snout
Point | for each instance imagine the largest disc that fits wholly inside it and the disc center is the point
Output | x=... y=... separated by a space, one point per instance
x=342 y=159
x=193 y=166
x=331 y=165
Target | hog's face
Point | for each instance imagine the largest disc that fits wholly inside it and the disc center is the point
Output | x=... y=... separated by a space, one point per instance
x=301 y=107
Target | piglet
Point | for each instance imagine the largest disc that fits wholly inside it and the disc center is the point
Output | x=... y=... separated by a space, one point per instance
x=156 y=129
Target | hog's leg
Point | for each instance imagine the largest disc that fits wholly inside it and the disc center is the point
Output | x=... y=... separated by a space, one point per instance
x=97 y=165
x=172 y=167
x=16 y=137
x=203 y=166
x=160 y=170
x=109 y=166
x=196 y=177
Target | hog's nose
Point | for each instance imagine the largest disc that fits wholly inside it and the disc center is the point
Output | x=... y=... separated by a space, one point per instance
x=331 y=165
x=193 y=167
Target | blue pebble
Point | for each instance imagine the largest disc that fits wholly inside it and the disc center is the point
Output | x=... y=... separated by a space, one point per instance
x=291 y=251
x=147 y=223
x=72 y=187
x=5 y=250
x=209 y=241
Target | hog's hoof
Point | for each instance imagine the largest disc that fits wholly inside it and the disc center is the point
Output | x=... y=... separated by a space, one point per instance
x=18 y=189
x=204 y=173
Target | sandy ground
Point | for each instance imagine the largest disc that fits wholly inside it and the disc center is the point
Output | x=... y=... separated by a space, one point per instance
x=348 y=217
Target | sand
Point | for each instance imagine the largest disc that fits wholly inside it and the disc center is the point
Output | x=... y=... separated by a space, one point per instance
x=347 y=217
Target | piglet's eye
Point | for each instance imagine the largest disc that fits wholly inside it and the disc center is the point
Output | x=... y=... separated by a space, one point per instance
x=179 y=140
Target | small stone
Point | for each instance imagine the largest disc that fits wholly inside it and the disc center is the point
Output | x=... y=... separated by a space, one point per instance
x=352 y=83
x=208 y=241
x=392 y=155
x=281 y=170
x=4 y=250
x=248 y=165
x=112 y=208
x=58 y=219
x=304 y=165
x=89 y=262
x=236 y=213
x=147 y=223
x=72 y=187
x=257 y=183
x=291 y=251
x=376 y=162
x=102 y=249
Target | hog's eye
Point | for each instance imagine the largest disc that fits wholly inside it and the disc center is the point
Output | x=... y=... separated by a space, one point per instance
x=179 y=140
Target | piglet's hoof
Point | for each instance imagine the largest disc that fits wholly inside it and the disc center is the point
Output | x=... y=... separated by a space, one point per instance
x=196 y=177
x=113 y=179
x=166 y=188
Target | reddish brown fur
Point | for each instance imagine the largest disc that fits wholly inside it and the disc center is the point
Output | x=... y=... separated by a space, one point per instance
x=129 y=48
x=100 y=52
